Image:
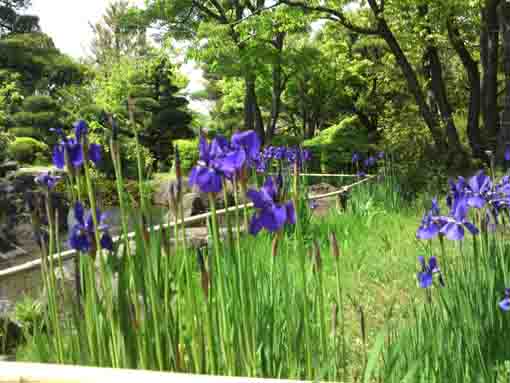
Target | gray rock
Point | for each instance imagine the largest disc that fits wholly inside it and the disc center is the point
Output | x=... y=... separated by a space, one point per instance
x=162 y=190
x=11 y=334
x=8 y=166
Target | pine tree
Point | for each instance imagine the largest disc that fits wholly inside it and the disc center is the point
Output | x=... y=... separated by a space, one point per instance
x=164 y=114
x=11 y=21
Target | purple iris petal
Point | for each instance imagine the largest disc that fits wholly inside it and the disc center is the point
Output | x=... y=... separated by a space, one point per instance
x=218 y=146
x=425 y=279
x=426 y=276
x=504 y=304
x=476 y=201
x=356 y=157
x=95 y=153
x=472 y=228
x=270 y=215
x=47 y=180
x=75 y=151
x=207 y=179
x=58 y=156
x=257 y=198
x=434 y=210
x=79 y=213
x=82 y=234
x=249 y=141
x=274 y=218
x=80 y=129
x=453 y=231
x=79 y=239
x=230 y=162
x=370 y=161
x=255 y=225
x=106 y=242
x=507 y=152
x=291 y=213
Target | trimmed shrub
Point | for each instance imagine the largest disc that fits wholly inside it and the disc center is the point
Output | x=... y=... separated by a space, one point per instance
x=26 y=132
x=188 y=149
x=27 y=150
x=5 y=140
x=332 y=148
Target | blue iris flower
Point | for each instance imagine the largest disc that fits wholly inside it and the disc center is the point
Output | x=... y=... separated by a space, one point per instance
x=426 y=275
x=271 y=215
x=217 y=160
x=249 y=141
x=477 y=190
x=455 y=223
x=82 y=233
x=47 y=180
x=504 y=304
x=431 y=223
x=69 y=151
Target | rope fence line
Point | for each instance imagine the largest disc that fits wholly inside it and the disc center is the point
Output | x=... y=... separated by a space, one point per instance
x=324 y=175
x=69 y=254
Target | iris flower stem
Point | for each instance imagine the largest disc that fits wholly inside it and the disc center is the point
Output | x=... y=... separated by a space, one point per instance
x=340 y=301
x=107 y=291
x=227 y=216
x=245 y=209
x=249 y=339
x=50 y=278
x=117 y=167
x=237 y=219
x=218 y=273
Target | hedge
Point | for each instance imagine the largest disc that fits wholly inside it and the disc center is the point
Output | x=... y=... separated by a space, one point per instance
x=188 y=150
x=27 y=150
x=332 y=148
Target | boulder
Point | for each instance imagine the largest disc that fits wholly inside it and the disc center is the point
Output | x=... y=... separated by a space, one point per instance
x=11 y=332
x=161 y=194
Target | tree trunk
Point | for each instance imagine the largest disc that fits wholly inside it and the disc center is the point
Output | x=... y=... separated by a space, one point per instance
x=475 y=96
x=278 y=85
x=413 y=85
x=504 y=134
x=445 y=109
x=490 y=69
x=252 y=117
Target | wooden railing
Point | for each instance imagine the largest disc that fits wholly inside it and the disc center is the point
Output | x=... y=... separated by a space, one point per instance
x=11 y=372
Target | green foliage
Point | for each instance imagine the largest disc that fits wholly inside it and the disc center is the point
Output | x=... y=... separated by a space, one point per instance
x=408 y=144
x=332 y=148
x=41 y=66
x=188 y=150
x=37 y=115
x=5 y=140
x=27 y=150
x=285 y=140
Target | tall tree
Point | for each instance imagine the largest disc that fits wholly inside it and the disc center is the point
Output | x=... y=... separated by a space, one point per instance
x=117 y=35
x=12 y=21
x=378 y=25
x=162 y=113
